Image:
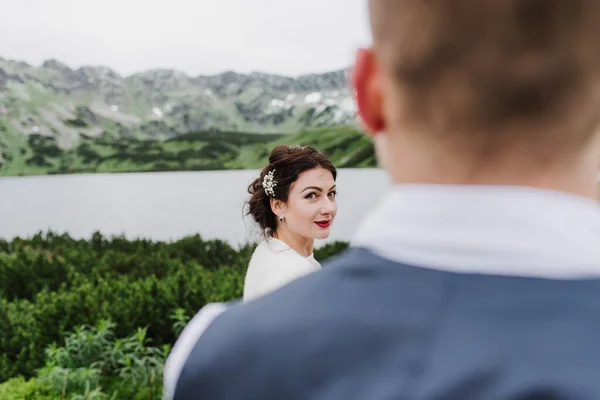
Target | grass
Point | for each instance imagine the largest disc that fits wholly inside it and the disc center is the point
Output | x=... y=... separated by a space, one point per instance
x=14 y=150
x=33 y=155
x=346 y=146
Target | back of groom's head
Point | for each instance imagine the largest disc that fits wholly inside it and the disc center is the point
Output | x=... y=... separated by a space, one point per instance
x=484 y=71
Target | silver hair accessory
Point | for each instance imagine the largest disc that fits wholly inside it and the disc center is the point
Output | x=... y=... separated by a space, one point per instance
x=269 y=183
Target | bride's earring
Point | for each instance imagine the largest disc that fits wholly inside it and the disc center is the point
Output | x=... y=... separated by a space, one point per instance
x=281 y=219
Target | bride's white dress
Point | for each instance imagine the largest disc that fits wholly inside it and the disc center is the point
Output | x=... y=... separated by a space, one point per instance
x=274 y=264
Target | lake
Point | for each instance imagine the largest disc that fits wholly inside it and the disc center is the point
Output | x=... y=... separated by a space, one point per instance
x=162 y=206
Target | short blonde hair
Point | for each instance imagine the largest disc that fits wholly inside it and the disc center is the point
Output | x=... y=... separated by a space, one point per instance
x=480 y=64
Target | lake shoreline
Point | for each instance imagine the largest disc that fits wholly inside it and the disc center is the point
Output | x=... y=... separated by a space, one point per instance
x=164 y=206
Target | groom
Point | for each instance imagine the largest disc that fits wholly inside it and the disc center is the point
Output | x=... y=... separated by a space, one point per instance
x=477 y=277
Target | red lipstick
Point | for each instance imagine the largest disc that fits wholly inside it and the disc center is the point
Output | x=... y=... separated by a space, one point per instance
x=323 y=224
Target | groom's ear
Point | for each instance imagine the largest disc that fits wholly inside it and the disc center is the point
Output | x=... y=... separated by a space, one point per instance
x=368 y=94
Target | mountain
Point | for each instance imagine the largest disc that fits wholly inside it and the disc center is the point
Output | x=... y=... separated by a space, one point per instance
x=346 y=146
x=54 y=100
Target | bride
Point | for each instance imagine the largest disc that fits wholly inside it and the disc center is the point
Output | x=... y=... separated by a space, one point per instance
x=294 y=202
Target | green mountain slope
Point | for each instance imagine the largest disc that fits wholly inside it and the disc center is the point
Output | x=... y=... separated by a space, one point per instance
x=36 y=154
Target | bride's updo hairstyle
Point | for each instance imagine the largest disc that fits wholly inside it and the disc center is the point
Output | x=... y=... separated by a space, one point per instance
x=286 y=163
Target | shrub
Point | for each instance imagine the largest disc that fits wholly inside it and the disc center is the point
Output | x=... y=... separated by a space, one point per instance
x=51 y=284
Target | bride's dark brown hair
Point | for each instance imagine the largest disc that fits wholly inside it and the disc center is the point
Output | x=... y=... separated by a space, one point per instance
x=287 y=162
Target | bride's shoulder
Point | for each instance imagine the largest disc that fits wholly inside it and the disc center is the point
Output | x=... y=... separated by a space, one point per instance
x=260 y=250
x=271 y=250
x=270 y=247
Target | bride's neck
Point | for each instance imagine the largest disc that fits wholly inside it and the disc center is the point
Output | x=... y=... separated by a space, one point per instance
x=301 y=244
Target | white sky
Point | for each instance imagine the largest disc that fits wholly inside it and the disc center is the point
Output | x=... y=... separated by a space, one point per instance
x=288 y=37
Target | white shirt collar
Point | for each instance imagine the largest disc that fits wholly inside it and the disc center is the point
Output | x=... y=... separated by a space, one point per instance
x=505 y=230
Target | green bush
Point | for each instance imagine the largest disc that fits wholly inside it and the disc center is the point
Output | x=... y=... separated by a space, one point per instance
x=94 y=364
x=51 y=284
x=20 y=389
x=94 y=360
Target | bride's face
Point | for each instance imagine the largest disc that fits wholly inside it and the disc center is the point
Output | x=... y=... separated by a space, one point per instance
x=311 y=206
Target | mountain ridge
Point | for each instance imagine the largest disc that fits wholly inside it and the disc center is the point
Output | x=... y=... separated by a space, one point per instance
x=53 y=99
x=55 y=61
x=49 y=113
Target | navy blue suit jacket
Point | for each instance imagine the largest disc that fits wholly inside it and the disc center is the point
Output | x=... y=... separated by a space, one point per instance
x=368 y=328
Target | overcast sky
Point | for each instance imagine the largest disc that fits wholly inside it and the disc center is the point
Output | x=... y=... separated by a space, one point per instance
x=289 y=37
